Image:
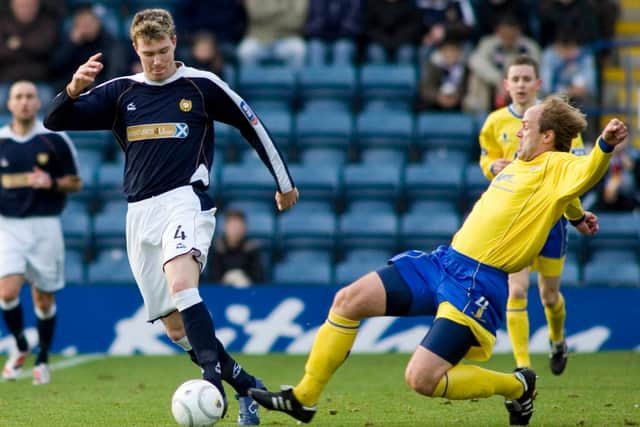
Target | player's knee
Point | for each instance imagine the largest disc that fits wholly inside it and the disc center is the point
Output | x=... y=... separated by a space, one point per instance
x=549 y=297
x=517 y=292
x=420 y=383
x=180 y=284
x=176 y=334
x=43 y=301
x=346 y=302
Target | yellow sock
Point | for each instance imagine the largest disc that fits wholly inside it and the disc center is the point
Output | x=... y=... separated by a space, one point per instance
x=518 y=328
x=330 y=349
x=555 y=319
x=468 y=382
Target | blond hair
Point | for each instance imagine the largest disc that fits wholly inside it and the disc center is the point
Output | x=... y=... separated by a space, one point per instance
x=152 y=24
x=565 y=120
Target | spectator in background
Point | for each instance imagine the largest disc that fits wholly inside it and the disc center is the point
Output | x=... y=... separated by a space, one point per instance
x=275 y=29
x=489 y=12
x=444 y=77
x=444 y=19
x=236 y=260
x=489 y=60
x=578 y=15
x=392 y=29
x=205 y=53
x=27 y=36
x=618 y=191
x=332 y=29
x=86 y=37
x=569 y=68
x=225 y=19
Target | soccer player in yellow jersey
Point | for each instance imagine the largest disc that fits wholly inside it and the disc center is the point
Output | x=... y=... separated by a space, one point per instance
x=499 y=146
x=465 y=285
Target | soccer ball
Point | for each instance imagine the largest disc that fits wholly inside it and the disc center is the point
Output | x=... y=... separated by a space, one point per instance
x=197 y=403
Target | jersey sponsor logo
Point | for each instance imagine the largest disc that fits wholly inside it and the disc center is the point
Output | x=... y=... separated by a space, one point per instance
x=535 y=168
x=15 y=180
x=42 y=158
x=131 y=107
x=185 y=105
x=578 y=151
x=249 y=113
x=508 y=177
x=157 y=131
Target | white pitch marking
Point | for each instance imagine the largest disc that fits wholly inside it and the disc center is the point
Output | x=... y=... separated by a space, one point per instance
x=62 y=364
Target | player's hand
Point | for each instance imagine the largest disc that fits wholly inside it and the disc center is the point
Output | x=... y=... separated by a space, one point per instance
x=498 y=165
x=615 y=132
x=286 y=200
x=589 y=226
x=85 y=76
x=39 y=179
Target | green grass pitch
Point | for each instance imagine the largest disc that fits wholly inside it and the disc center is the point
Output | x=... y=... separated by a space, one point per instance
x=601 y=389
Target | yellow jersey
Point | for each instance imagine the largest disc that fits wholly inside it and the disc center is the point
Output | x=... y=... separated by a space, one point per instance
x=510 y=223
x=498 y=140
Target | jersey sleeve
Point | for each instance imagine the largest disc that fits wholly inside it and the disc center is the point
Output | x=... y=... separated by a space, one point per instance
x=225 y=105
x=575 y=210
x=93 y=110
x=490 y=150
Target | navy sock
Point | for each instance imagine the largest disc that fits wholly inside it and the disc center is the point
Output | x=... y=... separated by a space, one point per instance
x=192 y=355
x=232 y=372
x=15 y=323
x=45 y=336
x=201 y=333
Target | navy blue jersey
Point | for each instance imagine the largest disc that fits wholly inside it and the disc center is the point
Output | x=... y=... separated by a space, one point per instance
x=52 y=152
x=166 y=128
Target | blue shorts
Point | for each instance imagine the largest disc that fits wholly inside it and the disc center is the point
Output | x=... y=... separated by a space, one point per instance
x=557 y=241
x=477 y=290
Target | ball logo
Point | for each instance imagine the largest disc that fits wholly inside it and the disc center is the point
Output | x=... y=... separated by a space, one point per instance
x=186 y=105
x=249 y=113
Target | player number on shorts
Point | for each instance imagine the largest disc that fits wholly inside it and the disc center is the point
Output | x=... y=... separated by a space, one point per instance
x=179 y=233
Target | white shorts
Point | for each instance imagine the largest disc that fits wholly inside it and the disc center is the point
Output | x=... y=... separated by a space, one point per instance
x=160 y=229
x=33 y=247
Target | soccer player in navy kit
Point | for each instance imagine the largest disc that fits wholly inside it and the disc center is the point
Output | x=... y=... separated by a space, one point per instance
x=163 y=120
x=464 y=286
x=37 y=169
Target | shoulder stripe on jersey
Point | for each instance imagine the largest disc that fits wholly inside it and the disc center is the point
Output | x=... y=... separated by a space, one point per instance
x=275 y=160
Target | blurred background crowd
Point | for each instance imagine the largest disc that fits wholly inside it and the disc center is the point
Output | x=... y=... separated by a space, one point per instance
x=375 y=103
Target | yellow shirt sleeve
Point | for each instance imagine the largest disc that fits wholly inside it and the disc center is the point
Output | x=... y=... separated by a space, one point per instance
x=490 y=150
x=574 y=208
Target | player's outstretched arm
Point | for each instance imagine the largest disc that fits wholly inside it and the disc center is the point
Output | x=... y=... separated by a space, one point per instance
x=615 y=132
x=85 y=75
x=286 y=200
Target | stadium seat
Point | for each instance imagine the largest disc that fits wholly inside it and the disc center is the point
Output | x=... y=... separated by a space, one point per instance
x=435 y=178
x=372 y=229
x=393 y=85
x=267 y=82
x=609 y=267
x=304 y=229
x=323 y=156
x=475 y=183
x=358 y=262
x=334 y=82
x=324 y=129
x=361 y=181
x=246 y=181
x=427 y=224
x=452 y=130
x=384 y=156
x=261 y=224
x=618 y=230
x=111 y=266
x=5 y=119
x=76 y=224
x=110 y=182
x=91 y=139
x=384 y=128
x=304 y=267
x=109 y=225
x=4 y=96
x=363 y=206
x=326 y=105
x=74 y=268
x=321 y=182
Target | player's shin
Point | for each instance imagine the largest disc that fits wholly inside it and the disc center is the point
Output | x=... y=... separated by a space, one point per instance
x=556 y=315
x=330 y=349
x=468 y=382
x=233 y=373
x=14 y=319
x=45 y=324
x=518 y=328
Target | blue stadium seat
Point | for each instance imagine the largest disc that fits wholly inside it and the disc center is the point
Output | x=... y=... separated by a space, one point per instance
x=324 y=129
x=111 y=266
x=364 y=206
x=267 y=82
x=612 y=267
x=110 y=181
x=428 y=224
x=358 y=262
x=435 y=178
x=384 y=128
x=246 y=181
x=394 y=84
x=475 y=183
x=5 y=119
x=334 y=82
x=4 y=96
x=46 y=93
x=618 y=230
x=326 y=105
x=362 y=181
x=91 y=139
x=109 y=225
x=323 y=156
x=307 y=230
x=452 y=130
x=74 y=268
x=261 y=224
x=320 y=182
x=76 y=224
x=382 y=156
x=368 y=229
x=304 y=267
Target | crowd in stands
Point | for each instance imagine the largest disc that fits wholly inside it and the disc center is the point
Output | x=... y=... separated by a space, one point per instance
x=454 y=51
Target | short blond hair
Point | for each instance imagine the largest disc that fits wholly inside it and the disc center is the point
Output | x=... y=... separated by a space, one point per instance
x=152 y=24
x=565 y=120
